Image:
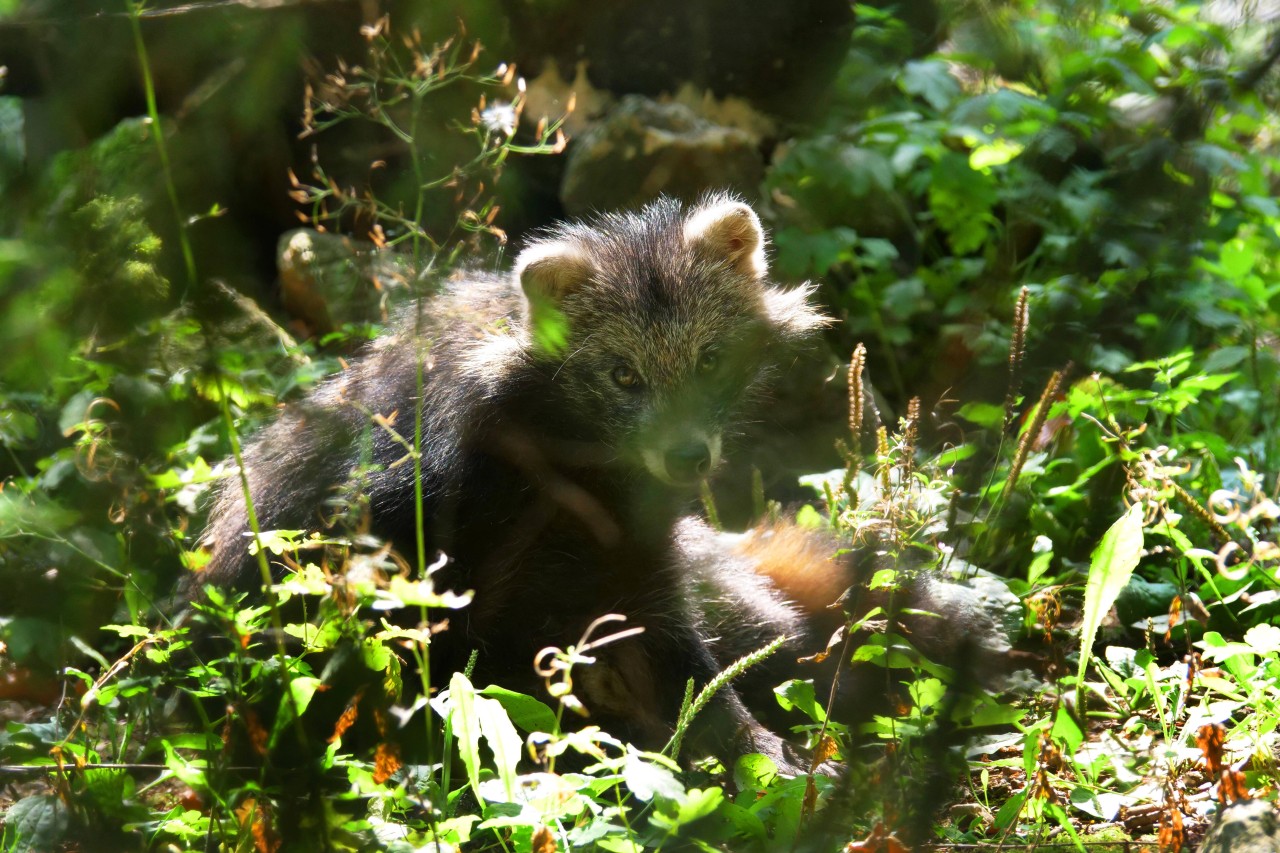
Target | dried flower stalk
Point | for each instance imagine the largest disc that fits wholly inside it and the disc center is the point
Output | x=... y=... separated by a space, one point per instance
x=1017 y=348
x=856 y=392
x=1051 y=391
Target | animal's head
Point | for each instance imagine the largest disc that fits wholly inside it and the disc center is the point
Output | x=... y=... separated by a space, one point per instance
x=655 y=325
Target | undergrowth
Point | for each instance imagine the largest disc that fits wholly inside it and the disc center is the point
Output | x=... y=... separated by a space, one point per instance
x=1125 y=504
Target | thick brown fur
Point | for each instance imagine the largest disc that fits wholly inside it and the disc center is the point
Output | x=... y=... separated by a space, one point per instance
x=803 y=565
x=780 y=579
x=568 y=411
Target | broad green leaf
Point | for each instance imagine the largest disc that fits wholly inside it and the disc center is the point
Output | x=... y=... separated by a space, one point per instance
x=1237 y=258
x=375 y=655
x=931 y=80
x=473 y=717
x=1218 y=650
x=1101 y=805
x=303 y=688
x=926 y=693
x=647 y=779
x=402 y=592
x=1066 y=730
x=315 y=637
x=466 y=726
x=754 y=772
x=800 y=694
x=501 y=736
x=697 y=803
x=35 y=823
x=744 y=823
x=1009 y=812
x=1263 y=639
x=953 y=455
x=525 y=712
x=1111 y=567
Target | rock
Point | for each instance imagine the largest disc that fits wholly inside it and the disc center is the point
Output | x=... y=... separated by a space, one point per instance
x=1248 y=826
x=550 y=96
x=780 y=56
x=644 y=148
x=327 y=280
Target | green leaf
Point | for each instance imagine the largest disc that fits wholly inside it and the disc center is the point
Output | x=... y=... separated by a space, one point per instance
x=996 y=153
x=402 y=592
x=35 y=824
x=1066 y=730
x=800 y=694
x=502 y=738
x=1010 y=810
x=954 y=455
x=550 y=327
x=128 y=630
x=1102 y=806
x=754 y=772
x=303 y=689
x=466 y=726
x=1201 y=382
x=991 y=713
x=315 y=637
x=473 y=717
x=525 y=712
x=1237 y=258
x=931 y=80
x=647 y=779
x=804 y=253
x=982 y=414
x=926 y=693
x=809 y=518
x=1109 y=571
x=376 y=655
x=744 y=823
x=1142 y=599
x=1217 y=649
x=696 y=804
x=1263 y=639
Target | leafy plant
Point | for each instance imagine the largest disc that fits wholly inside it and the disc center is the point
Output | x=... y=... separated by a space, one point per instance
x=1060 y=224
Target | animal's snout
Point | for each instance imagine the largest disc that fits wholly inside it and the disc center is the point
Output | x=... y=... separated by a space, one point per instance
x=683 y=461
x=688 y=461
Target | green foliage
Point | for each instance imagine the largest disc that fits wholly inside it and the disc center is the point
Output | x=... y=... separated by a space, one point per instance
x=1109 y=573
x=1112 y=158
x=392 y=92
x=1028 y=154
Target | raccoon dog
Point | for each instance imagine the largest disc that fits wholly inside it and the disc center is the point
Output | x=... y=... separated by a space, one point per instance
x=569 y=411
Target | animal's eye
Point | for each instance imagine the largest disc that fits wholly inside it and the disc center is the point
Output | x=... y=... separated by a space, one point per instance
x=709 y=360
x=626 y=377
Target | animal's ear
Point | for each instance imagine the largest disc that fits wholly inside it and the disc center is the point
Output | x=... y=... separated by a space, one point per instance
x=728 y=230
x=791 y=311
x=549 y=272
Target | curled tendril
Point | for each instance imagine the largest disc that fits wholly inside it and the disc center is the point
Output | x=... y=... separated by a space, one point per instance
x=555 y=665
x=1232 y=572
x=1225 y=506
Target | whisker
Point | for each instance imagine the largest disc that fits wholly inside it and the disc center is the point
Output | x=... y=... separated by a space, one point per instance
x=572 y=354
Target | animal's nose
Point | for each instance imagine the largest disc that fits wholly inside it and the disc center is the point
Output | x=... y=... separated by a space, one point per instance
x=689 y=461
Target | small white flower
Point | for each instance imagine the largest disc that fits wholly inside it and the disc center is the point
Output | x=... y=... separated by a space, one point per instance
x=499 y=117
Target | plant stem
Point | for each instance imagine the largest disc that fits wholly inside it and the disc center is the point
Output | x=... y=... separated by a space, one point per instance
x=157 y=133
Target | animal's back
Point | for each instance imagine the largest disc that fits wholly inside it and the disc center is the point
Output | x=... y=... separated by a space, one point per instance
x=364 y=418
